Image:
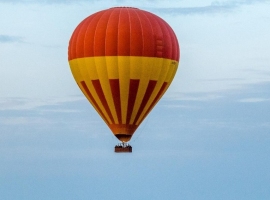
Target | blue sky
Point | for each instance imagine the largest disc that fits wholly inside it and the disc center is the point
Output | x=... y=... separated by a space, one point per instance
x=208 y=138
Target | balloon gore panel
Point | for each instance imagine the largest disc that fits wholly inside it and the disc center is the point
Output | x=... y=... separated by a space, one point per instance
x=123 y=60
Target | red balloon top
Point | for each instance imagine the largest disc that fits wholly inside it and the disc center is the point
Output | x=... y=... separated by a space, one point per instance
x=123 y=31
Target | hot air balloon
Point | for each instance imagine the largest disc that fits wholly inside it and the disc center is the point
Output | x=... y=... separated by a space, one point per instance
x=123 y=60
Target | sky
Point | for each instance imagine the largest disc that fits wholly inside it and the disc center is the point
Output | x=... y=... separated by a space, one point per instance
x=208 y=138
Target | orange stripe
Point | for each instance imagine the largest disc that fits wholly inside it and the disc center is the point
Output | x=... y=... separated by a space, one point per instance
x=97 y=86
x=133 y=89
x=85 y=88
x=149 y=90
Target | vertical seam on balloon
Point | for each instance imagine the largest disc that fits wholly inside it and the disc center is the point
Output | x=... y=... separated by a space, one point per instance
x=119 y=14
x=84 y=45
x=117 y=54
x=129 y=32
x=141 y=31
x=177 y=47
x=106 y=63
x=162 y=36
x=77 y=38
x=167 y=29
x=130 y=103
x=129 y=64
x=89 y=27
x=160 y=21
x=106 y=33
x=124 y=81
x=96 y=32
x=147 y=17
x=109 y=93
x=174 y=56
x=173 y=41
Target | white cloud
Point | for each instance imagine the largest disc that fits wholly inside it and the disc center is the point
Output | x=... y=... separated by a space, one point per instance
x=41 y=1
x=254 y=100
x=193 y=97
x=213 y=7
x=10 y=39
x=30 y=104
x=25 y=121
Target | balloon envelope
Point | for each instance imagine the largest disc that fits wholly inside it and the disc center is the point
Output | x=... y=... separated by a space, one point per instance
x=123 y=59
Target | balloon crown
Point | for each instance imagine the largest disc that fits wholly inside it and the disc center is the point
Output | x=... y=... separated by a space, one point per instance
x=123 y=7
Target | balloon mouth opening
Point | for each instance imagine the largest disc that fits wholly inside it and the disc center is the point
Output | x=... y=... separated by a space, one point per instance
x=123 y=137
